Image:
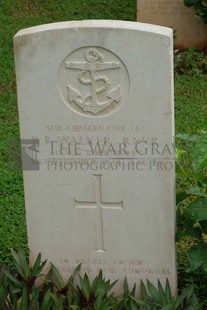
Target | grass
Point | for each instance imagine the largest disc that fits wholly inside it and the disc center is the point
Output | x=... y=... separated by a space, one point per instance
x=190 y=103
x=190 y=96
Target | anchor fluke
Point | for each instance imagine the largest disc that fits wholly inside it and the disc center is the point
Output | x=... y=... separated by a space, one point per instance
x=73 y=94
x=114 y=94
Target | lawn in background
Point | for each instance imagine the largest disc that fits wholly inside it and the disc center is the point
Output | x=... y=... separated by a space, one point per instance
x=190 y=97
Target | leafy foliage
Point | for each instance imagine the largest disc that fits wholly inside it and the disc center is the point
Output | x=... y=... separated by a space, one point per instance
x=19 y=290
x=192 y=200
x=200 y=7
x=191 y=62
x=159 y=298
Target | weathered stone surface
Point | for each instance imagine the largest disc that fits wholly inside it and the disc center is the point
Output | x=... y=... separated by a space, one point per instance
x=98 y=98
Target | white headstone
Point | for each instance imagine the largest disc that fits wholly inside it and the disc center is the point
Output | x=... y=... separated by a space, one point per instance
x=97 y=98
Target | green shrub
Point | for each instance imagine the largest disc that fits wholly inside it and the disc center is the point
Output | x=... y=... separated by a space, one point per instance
x=191 y=63
x=192 y=208
x=18 y=290
x=200 y=7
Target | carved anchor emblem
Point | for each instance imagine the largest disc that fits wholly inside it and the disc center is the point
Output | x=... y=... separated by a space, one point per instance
x=88 y=75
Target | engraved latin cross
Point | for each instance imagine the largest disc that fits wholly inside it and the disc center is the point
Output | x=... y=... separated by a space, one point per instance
x=98 y=205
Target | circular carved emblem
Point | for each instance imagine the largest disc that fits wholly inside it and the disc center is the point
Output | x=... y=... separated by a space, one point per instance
x=93 y=81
